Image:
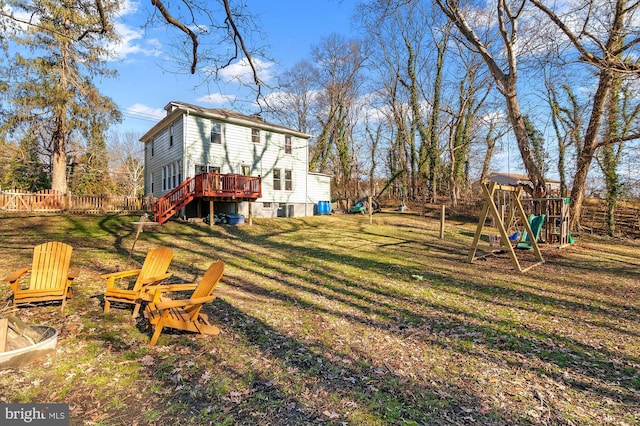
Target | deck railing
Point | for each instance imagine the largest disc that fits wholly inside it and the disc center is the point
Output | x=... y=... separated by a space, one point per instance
x=211 y=185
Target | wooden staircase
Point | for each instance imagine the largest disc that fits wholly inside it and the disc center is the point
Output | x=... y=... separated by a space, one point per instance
x=223 y=187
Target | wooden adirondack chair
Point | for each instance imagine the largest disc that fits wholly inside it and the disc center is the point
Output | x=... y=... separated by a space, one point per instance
x=153 y=271
x=51 y=276
x=184 y=314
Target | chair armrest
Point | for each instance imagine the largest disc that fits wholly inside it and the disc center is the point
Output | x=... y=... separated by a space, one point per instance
x=154 y=292
x=121 y=274
x=73 y=273
x=15 y=275
x=184 y=302
x=159 y=278
x=111 y=277
x=165 y=288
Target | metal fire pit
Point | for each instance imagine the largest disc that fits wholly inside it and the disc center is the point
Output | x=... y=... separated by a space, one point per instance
x=18 y=357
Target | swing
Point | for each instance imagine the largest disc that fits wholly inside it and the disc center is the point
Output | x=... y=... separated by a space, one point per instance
x=515 y=214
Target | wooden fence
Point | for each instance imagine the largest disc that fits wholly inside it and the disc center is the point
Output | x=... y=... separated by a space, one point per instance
x=53 y=201
x=627 y=217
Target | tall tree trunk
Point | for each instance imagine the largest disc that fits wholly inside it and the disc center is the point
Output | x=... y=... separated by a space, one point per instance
x=611 y=57
x=522 y=139
x=433 y=146
x=590 y=144
x=59 y=158
x=555 y=120
x=610 y=153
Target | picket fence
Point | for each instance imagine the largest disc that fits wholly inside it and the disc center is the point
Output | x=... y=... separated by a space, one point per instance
x=53 y=201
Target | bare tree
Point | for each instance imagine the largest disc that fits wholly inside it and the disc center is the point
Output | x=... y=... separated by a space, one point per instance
x=126 y=160
x=473 y=90
x=388 y=62
x=567 y=122
x=410 y=58
x=496 y=128
x=621 y=113
x=501 y=58
x=215 y=33
x=606 y=37
x=293 y=104
x=339 y=63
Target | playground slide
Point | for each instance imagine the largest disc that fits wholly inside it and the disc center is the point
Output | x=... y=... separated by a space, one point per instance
x=536 y=223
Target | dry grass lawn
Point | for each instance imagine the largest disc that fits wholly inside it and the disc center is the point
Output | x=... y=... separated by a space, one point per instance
x=330 y=320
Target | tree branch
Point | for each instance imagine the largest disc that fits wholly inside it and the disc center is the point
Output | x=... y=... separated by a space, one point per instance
x=455 y=15
x=238 y=37
x=630 y=137
x=609 y=60
x=173 y=21
x=104 y=23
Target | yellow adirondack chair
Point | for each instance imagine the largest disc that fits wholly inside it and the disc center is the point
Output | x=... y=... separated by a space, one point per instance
x=184 y=314
x=51 y=276
x=153 y=271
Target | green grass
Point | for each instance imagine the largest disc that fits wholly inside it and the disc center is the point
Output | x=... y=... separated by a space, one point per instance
x=332 y=320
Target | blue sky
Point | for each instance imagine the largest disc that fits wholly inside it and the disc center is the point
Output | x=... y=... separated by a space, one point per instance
x=143 y=88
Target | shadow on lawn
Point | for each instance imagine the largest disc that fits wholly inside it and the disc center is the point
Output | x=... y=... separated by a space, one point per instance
x=445 y=308
x=288 y=264
x=500 y=335
x=323 y=387
x=501 y=338
x=527 y=300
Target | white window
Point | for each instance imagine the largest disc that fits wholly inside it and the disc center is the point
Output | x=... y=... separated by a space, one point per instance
x=164 y=178
x=216 y=132
x=287 y=144
x=255 y=135
x=277 y=184
x=288 y=180
x=174 y=175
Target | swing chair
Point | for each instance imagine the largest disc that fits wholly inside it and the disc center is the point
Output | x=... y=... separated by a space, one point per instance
x=504 y=207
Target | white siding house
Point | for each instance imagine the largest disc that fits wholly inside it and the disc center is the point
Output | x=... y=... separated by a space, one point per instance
x=191 y=140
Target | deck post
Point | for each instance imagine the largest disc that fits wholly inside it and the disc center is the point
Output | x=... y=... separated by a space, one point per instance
x=211 y=215
x=250 y=213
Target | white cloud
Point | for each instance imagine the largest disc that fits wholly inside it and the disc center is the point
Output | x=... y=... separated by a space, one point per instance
x=128 y=7
x=282 y=99
x=131 y=42
x=241 y=71
x=217 y=99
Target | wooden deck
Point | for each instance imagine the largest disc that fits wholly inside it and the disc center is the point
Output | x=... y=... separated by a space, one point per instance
x=212 y=186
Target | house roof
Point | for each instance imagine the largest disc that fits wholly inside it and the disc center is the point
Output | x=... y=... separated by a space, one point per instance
x=175 y=109
x=514 y=179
